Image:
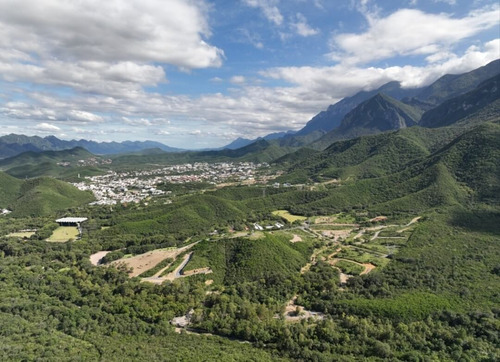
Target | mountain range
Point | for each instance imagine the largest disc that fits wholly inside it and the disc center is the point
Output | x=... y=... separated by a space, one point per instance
x=469 y=98
x=13 y=144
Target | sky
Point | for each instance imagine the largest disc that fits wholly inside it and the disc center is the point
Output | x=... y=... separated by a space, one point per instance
x=200 y=73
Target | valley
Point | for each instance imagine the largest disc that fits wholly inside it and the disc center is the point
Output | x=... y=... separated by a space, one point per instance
x=364 y=243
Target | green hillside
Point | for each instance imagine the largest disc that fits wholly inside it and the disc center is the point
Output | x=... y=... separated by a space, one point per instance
x=41 y=196
x=368 y=156
x=240 y=260
x=9 y=188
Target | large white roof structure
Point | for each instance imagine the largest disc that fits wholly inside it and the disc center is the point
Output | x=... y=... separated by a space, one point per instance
x=72 y=219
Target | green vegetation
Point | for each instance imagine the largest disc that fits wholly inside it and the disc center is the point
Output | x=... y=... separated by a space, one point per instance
x=435 y=297
x=349 y=267
x=39 y=197
x=238 y=260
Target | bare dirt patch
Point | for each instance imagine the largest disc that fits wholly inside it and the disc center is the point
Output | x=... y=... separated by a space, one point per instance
x=96 y=258
x=143 y=262
x=295 y=239
x=336 y=234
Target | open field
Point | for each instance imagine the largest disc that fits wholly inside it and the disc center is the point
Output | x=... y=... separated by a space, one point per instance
x=289 y=217
x=22 y=234
x=63 y=234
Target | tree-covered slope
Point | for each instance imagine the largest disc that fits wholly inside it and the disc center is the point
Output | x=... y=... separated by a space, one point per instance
x=367 y=156
x=9 y=189
x=45 y=196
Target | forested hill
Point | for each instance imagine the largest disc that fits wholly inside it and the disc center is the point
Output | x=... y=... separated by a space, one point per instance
x=40 y=196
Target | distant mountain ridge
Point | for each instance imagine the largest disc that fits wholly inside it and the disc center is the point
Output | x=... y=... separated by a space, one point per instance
x=13 y=144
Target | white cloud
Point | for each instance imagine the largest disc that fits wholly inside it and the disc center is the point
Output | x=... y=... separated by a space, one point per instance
x=84 y=116
x=449 y=2
x=237 y=79
x=109 y=48
x=47 y=127
x=345 y=79
x=409 y=32
x=269 y=8
x=251 y=38
x=161 y=132
x=301 y=27
x=110 y=31
x=137 y=122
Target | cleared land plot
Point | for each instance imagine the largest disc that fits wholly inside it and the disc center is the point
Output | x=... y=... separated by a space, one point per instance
x=22 y=234
x=96 y=258
x=335 y=219
x=143 y=262
x=285 y=214
x=63 y=234
x=349 y=267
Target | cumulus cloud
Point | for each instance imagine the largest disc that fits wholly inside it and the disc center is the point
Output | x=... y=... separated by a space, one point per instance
x=301 y=27
x=110 y=31
x=269 y=9
x=409 y=32
x=112 y=47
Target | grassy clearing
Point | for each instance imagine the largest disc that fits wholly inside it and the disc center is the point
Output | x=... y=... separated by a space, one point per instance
x=349 y=267
x=285 y=214
x=362 y=257
x=63 y=234
x=256 y=235
x=22 y=234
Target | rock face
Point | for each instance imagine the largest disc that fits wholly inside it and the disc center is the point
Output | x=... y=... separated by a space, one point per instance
x=378 y=114
x=333 y=116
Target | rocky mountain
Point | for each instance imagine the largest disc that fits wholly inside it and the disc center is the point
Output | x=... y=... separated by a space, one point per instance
x=378 y=114
x=332 y=117
x=425 y=98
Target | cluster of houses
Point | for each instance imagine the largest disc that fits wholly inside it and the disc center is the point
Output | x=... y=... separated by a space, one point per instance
x=128 y=187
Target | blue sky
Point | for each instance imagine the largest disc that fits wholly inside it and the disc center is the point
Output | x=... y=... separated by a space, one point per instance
x=200 y=73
